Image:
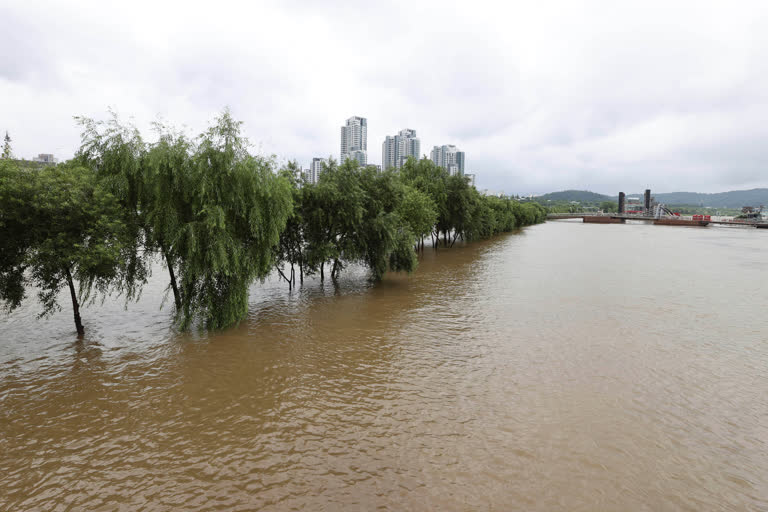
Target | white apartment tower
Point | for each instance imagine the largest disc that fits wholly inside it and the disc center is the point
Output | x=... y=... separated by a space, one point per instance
x=396 y=150
x=315 y=168
x=449 y=158
x=46 y=158
x=354 y=140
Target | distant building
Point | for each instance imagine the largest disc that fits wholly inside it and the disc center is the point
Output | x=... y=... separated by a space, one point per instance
x=354 y=140
x=449 y=158
x=315 y=169
x=46 y=158
x=396 y=150
x=360 y=155
x=470 y=179
x=460 y=162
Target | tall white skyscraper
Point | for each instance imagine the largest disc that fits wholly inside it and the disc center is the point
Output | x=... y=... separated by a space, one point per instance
x=449 y=158
x=396 y=150
x=354 y=140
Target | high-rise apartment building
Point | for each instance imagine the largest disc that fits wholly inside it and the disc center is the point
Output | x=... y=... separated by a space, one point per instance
x=315 y=168
x=460 y=162
x=449 y=158
x=396 y=150
x=354 y=140
x=46 y=158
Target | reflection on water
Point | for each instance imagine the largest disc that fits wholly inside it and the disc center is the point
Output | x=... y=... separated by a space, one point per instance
x=566 y=367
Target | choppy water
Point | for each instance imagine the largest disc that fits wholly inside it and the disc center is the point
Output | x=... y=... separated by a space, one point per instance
x=567 y=367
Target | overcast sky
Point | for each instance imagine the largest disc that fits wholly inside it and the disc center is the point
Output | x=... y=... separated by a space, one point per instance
x=541 y=95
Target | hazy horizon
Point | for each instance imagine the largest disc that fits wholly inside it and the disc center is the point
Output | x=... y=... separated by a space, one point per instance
x=640 y=192
x=600 y=96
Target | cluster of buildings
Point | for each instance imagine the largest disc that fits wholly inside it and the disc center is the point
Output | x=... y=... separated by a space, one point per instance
x=395 y=151
x=46 y=158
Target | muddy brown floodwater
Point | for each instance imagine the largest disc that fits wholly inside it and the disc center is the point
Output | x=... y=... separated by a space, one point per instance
x=566 y=367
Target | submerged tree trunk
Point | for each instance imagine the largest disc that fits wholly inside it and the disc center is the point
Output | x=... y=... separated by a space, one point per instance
x=174 y=286
x=334 y=271
x=322 y=272
x=75 y=305
x=282 y=274
x=301 y=272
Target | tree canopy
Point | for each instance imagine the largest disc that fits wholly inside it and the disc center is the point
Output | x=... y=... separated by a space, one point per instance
x=219 y=218
x=61 y=226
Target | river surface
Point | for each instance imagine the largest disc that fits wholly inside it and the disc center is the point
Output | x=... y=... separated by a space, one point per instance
x=565 y=367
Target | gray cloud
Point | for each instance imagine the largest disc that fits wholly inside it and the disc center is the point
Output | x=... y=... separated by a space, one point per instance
x=557 y=94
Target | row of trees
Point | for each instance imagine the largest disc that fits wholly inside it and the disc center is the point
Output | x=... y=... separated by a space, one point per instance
x=219 y=218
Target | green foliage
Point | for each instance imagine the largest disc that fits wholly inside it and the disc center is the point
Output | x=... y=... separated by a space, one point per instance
x=734 y=199
x=211 y=210
x=352 y=215
x=419 y=211
x=116 y=152
x=461 y=210
x=383 y=238
x=291 y=248
x=17 y=212
x=580 y=196
x=237 y=209
x=219 y=218
x=59 y=225
x=609 y=206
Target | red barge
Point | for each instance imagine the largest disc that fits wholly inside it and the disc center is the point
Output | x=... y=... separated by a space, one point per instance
x=680 y=222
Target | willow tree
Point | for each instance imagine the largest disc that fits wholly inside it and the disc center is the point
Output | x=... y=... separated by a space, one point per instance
x=17 y=211
x=231 y=212
x=61 y=229
x=290 y=251
x=166 y=199
x=420 y=212
x=427 y=177
x=210 y=210
x=115 y=151
x=332 y=211
x=354 y=215
x=383 y=238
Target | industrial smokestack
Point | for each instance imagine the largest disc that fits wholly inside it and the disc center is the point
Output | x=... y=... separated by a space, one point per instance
x=622 y=202
x=647 y=199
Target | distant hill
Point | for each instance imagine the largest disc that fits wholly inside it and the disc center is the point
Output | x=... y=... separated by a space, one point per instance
x=732 y=199
x=582 y=196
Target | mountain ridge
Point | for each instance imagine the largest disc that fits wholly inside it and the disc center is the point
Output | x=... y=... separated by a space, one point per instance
x=729 y=199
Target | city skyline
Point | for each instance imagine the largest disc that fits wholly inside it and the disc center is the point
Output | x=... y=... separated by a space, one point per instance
x=544 y=96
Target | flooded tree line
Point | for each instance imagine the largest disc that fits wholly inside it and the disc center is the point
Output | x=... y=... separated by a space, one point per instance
x=219 y=218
